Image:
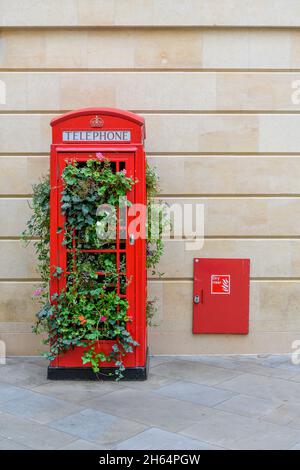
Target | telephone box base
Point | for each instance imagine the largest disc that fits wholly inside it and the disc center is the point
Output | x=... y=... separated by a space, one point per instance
x=86 y=373
x=106 y=373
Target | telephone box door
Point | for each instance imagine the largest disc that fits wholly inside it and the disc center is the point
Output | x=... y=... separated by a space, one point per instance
x=120 y=253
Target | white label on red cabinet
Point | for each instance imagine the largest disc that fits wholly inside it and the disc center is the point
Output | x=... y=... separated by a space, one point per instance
x=220 y=283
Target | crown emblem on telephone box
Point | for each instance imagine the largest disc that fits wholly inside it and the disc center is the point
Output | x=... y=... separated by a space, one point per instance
x=96 y=122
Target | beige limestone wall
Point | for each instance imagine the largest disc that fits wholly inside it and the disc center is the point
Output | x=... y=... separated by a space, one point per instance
x=214 y=80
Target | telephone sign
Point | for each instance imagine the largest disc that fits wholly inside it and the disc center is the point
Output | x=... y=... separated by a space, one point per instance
x=96 y=136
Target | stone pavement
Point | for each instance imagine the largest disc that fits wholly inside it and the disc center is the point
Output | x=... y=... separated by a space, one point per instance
x=204 y=402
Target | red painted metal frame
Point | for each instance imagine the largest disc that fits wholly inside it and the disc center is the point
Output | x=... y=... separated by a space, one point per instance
x=133 y=154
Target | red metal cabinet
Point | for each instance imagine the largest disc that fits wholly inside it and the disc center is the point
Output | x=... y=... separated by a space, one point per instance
x=119 y=136
x=221 y=295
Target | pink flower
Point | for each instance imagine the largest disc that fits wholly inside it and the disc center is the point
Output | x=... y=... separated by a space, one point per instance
x=103 y=318
x=124 y=172
x=100 y=156
x=38 y=292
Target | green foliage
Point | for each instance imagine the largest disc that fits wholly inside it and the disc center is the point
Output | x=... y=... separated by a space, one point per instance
x=90 y=308
x=84 y=313
x=38 y=233
x=38 y=226
x=157 y=221
x=85 y=189
x=151 y=311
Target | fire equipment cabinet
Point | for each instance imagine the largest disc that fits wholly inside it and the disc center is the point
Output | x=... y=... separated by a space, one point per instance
x=118 y=136
x=221 y=296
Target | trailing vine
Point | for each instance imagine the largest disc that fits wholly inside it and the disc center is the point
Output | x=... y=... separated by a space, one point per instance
x=93 y=305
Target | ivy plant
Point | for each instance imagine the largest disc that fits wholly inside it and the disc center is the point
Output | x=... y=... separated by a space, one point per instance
x=91 y=306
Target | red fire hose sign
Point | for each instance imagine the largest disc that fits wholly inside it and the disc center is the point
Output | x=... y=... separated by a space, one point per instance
x=220 y=283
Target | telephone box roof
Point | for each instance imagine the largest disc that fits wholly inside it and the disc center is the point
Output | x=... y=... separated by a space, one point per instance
x=102 y=112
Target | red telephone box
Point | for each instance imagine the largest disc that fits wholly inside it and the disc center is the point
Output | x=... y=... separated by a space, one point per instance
x=119 y=137
x=221 y=295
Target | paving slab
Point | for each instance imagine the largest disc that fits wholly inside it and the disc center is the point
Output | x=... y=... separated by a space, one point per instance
x=25 y=374
x=251 y=367
x=241 y=432
x=249 y=364
x=81 y=444
x=37 y=360
x=248 y=406
x=194 y=372
x=296 y=446
x=10 y=392
x=207 y=402
x=151 y=409
x=295 y=378
x=225 y=362
x=220 y=428
x=289 y=366
x=10 y=444
x=274 y=360
x=159 y=439
x=157 y=360
x=270 y=388
x=152 y=383
x=195 y=393
x=31 y=434
x=276 y=438
x=76 y=391
x=39 y=407
x=255 y=358
x=287 y=414
x=98 y=427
